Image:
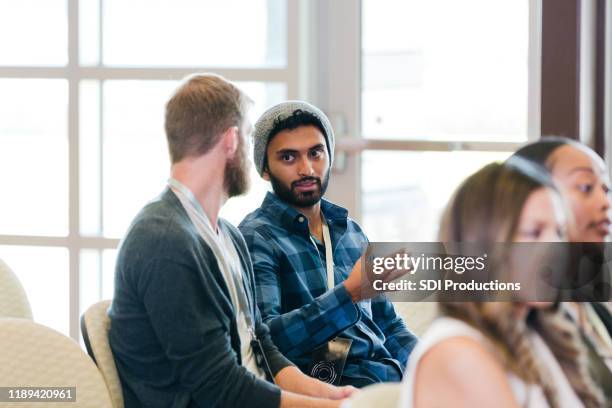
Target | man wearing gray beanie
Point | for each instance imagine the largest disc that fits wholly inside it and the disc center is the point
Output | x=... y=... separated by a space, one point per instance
x=185 y=331
x=305 y=252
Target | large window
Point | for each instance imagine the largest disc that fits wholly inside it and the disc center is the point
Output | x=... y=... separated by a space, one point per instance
x=82 y=146
x=446 y=81
x=405 y=192
x=421 y=93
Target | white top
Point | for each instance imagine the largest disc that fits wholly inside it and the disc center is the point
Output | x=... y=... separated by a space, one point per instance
x=526 y=395
x=229 y=263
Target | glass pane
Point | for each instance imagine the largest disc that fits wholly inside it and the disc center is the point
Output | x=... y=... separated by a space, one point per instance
x=195 y=33
x=90 y=279
x=90 y=176
x=44 y=274
x=109 y=257
x=404 y=193
x=465 y=81
x=134 y=153
x=97 y=276
x=34 y=156
x=34 y=32
x=135 y=156
x=89 y=32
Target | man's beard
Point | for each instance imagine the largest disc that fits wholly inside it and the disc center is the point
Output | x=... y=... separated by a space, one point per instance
x=300 y=199
x=237 y=179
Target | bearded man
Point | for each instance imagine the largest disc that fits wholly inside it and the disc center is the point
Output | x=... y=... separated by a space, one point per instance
x=185 y=327
x=306 y=252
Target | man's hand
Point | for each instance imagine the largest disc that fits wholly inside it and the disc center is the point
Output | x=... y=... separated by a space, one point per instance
x=292 y=379
x=360 y=286
x=338 y=393
x=300 y=390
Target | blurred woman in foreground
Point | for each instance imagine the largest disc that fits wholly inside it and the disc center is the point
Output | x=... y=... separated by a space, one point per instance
x=582 y=178
x=502 y=354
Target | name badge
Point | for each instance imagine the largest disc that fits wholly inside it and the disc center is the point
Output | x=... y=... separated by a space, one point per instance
x=328 y=361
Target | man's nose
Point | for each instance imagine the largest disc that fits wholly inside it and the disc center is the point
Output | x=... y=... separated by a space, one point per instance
x=603 y=198
x=305 y=167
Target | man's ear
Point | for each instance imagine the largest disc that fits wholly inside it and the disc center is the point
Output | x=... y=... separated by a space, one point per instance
x=265 y=174
x=230 y=141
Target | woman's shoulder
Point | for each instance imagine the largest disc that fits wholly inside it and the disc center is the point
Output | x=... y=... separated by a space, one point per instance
x=458 y=358
x=450 y=333
x=443 y=328
x=450 y=338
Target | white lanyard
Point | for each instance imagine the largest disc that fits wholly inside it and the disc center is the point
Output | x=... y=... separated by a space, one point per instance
x=329 y=257
x=177 y=185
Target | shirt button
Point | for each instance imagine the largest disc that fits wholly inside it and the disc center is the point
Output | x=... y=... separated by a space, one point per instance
x=301 y=219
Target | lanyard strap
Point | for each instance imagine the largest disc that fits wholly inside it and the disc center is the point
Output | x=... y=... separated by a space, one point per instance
x=177 y=185
x=329 y=256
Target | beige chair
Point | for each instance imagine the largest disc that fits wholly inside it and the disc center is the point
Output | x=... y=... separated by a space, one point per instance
x=35 y=355
x=418 y=316
x=95 y=324
x=13 y=299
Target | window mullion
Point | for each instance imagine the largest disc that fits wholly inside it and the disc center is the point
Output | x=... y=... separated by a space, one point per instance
x=73 y=166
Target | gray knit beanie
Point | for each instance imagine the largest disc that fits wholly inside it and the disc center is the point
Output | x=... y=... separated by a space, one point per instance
x=280 y=112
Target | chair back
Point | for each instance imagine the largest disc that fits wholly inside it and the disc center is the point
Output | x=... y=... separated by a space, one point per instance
x=33 y=355
x=13 y=299
x=417 y=316
x=95 y=325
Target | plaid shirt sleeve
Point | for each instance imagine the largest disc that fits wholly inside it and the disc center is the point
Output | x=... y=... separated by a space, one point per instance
x=399 y=340
x=303 y=329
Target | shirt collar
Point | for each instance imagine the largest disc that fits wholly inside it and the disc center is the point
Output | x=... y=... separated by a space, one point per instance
x=292 y=218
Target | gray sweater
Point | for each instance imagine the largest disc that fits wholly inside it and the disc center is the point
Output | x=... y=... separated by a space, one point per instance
x=173 y=326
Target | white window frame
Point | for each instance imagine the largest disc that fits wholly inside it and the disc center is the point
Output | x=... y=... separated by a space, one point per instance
x=339 y=95
x=291 y=75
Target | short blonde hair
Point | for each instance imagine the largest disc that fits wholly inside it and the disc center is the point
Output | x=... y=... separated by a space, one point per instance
x=201 y=109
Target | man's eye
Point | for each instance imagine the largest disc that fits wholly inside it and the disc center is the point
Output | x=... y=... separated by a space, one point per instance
x=316 y=153
x=287 y=157
x=585 y=188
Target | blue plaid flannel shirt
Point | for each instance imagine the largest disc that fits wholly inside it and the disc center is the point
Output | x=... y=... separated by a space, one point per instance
x=302 y=314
